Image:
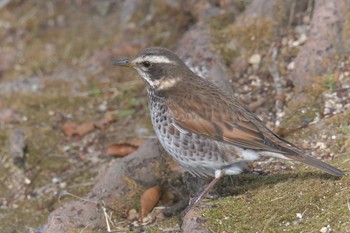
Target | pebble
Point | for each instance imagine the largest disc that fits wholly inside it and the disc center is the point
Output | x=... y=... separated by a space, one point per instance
x=27 y=180
x=62 y=185
x=294 y=43
x=326 y=229
x=255 y=59
x=102 y=107
x=291 y=66
x=55 y=180
x=302 y=39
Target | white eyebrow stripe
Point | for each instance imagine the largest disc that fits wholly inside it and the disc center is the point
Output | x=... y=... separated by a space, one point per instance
x=154 y=59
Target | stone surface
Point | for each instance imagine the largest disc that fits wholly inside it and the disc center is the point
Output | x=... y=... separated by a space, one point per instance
x=143 y=167
x=322 y=46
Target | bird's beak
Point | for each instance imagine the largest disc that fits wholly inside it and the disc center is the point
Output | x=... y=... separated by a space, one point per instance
x=124 y=62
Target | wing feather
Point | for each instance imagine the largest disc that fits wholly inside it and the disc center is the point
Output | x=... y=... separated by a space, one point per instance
x=224 y=122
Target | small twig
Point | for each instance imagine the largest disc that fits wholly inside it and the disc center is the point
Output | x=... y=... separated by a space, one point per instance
x=277 y=198
x=302 y=214
x=75 y=196
x=81 y=185
x=103 y=205
x=107 y=218
x=268 y=223
x=349 y=204
x=85 y=228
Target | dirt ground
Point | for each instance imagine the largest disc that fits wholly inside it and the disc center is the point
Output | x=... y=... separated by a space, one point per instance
x=62 y=104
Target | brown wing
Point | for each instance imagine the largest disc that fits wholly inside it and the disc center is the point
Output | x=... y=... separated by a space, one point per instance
x=211 y=113
x=226 y=120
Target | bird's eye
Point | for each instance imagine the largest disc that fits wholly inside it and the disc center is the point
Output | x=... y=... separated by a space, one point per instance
x=146 y=64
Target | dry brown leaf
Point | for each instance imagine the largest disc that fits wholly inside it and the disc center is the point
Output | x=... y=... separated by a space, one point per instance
x=85 y=128
x=123 y=148
x=120 y=149
x=69 y=128
x=149 y=199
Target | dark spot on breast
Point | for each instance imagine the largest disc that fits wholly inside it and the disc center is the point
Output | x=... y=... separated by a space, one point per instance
x=210 y=155
x=185 y=142
x=171 y=130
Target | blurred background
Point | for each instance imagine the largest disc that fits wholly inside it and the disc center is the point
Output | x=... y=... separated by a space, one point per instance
x=66 y=112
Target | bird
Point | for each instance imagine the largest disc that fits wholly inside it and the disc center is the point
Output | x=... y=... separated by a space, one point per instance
x=205 y=130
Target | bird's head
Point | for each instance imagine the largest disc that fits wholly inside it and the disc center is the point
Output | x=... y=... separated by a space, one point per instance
x=160 y=68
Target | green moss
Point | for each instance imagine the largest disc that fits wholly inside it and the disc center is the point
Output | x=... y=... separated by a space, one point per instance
x=271 y=204
x=249 y=38
x=153 y=24
x=303 y=201
x=302 y=110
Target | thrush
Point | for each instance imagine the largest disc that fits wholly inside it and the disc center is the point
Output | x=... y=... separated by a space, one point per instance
x=206 y=131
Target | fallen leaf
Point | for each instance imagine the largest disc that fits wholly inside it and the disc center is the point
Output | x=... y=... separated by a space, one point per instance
x=85 y=128
x=120 y=149
x=149 y=199
x=69 y=128
x=123 y=148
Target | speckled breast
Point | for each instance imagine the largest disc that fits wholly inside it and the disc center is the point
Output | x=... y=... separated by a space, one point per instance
x=199 y=155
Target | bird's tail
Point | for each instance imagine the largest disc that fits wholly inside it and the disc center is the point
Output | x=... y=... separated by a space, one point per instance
x=316 y=163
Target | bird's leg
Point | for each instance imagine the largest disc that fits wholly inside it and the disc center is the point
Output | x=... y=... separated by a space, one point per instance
x=197 y=198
